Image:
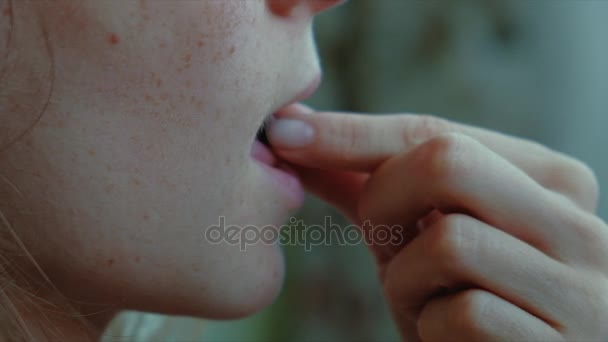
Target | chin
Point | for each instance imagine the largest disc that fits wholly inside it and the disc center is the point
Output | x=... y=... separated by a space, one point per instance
x=251 y=295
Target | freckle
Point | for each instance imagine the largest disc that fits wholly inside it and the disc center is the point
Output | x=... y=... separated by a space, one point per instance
x=159 y=82
x=188 y=57
x=146 y=217
x=162 y=45
x=232 y=50
x=109 y=167
x=200 y=44
x=110 y=262
x=136 y=182
x=113 y=39
x=91 y=152
x=137 y=259
x=7 y=12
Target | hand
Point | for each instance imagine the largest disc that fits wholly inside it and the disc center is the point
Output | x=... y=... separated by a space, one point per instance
x=507 y=245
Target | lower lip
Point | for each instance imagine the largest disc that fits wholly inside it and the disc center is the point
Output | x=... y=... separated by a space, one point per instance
x=282 y=176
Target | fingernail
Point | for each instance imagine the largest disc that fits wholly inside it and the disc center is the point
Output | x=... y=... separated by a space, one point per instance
x=290 y=133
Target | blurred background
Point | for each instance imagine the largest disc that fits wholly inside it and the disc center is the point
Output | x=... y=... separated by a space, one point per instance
x=532 y=68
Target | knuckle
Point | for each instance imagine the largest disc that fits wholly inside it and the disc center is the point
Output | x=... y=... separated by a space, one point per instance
x=443 y=157
x=575 y=179
x=469 y=313
x=351 y=134
x=592 y=235
x=448 y=240
x=424 y=127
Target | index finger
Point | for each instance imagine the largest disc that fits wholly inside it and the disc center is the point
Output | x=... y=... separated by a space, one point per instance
x=359 y=142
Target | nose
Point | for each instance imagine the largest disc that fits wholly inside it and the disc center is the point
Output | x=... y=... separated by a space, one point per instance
x=283 y=8
x=318 y=6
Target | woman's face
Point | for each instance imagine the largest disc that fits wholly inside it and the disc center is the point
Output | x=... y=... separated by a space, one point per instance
x=150 y=110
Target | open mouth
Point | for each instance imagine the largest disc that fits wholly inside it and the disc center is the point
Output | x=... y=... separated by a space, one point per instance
x=279 y=171
x=281 y=174
x=261 y=149
x=261 y=135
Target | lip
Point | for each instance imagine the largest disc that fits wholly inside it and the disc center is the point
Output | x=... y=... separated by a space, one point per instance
x=305 y=93
x=284 y=179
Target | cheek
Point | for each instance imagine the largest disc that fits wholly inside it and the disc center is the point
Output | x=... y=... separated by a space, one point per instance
x=94 y=27
x=71 y=23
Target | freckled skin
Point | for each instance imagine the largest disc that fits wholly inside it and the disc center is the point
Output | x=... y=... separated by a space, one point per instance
x=145 y=143
x=113 y=39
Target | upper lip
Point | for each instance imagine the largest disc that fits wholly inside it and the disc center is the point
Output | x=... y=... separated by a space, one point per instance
x=306 y=92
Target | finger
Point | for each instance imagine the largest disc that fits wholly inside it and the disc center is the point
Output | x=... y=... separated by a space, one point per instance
x=455 y=173
x=476 y=315
x=362 y=142
x=460 y=252
x=341 y=189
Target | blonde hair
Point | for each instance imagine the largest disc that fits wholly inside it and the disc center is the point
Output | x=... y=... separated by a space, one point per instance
x=24 y=315
x=12 y=323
